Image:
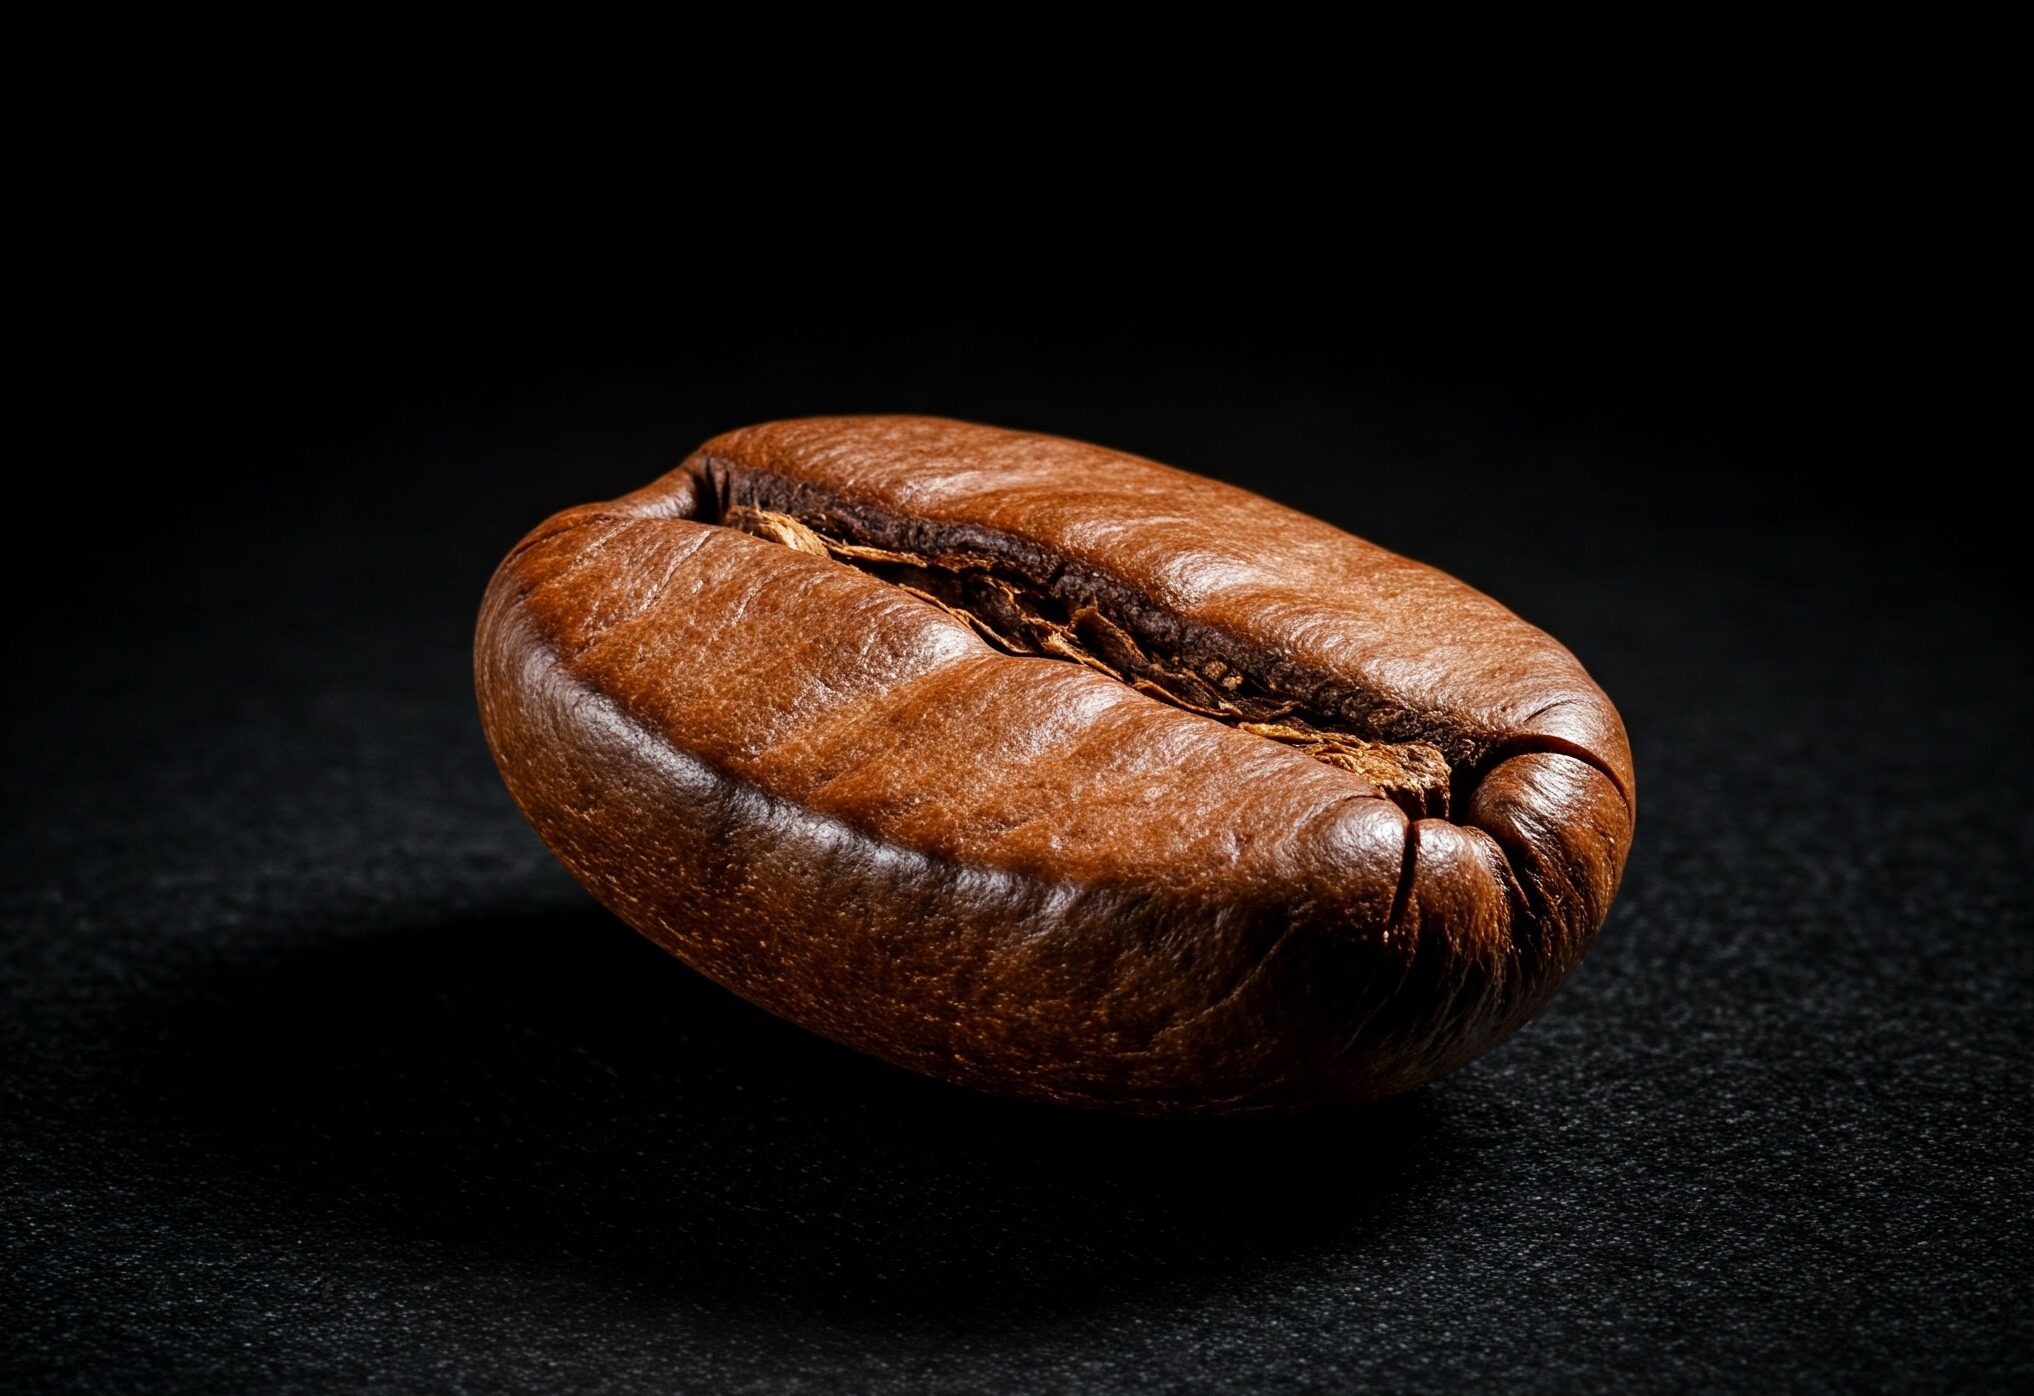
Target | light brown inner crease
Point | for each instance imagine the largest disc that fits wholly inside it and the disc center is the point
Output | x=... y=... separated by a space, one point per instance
x=1021 y=618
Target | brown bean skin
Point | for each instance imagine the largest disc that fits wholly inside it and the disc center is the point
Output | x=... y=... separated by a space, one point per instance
x=810 y=771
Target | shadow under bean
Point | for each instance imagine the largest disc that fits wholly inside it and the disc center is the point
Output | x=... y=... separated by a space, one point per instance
x=546 y=1083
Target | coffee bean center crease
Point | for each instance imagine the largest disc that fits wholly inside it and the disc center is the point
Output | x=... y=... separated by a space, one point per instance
x=1019 y=616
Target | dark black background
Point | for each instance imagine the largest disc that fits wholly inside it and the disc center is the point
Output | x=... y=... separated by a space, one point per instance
x=319 y=1073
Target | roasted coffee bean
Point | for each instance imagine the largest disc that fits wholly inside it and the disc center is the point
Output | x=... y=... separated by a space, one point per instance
x=1054 y=771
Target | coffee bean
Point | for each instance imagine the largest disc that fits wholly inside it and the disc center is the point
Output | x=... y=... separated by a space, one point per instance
x=1053 y=771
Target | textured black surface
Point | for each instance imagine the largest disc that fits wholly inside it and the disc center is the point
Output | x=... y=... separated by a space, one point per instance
x=317 y=1074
